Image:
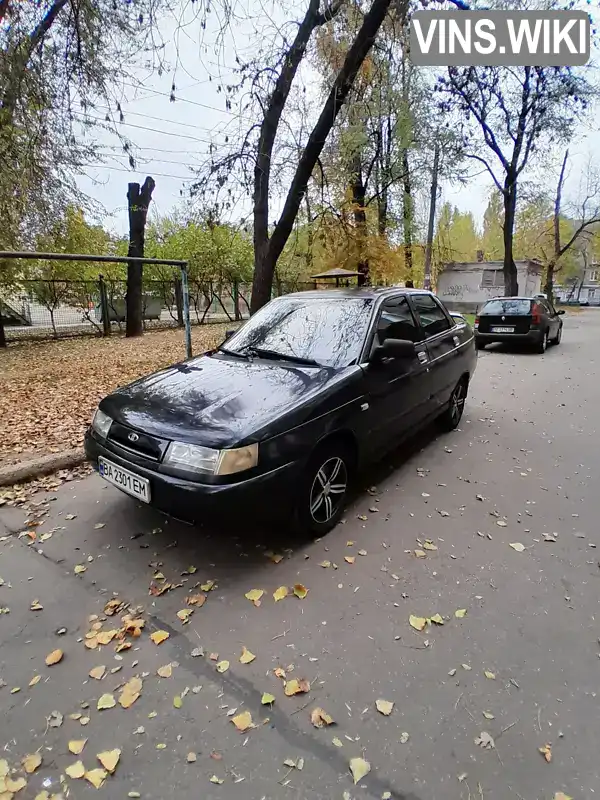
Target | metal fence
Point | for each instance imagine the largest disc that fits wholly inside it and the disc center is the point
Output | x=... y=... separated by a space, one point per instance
x=45 y=309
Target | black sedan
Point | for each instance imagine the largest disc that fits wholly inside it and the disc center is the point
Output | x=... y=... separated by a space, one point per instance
x=283 y=414
x=521 y=320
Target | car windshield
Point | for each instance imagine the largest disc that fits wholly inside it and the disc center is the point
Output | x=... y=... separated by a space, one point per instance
x=328 y=331
x=512 y=307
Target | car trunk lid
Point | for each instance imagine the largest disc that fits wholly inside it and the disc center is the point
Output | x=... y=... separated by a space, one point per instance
x=513 y=315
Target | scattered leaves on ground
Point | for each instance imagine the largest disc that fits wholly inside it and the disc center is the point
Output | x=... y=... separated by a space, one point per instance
x=267 y=699
x=243 y=721
x=196 y=600
x=76 y=770
x=55 y=657
x=254 y=595
x=109 y=759
x=460 y=613
x=418 y=623
x=106 y=701
x=76 y=746
x=350 y=559
x=222 y=666
x=295 y=686
x=98 y=672
x=165 y=672
x=246 y=657
x=546 y=751
x=185 y=614
x=517 y=546
x=490 y=675
x=359 y=769
x=280 y=593
x=438 y=619
x=158 y=637
x=130 y=692
x=32 y=762
x=300 y=591
x=320 y=718
x=384 y=707
x=96 y=777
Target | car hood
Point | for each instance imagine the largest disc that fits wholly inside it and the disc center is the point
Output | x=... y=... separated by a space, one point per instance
x=219 y=401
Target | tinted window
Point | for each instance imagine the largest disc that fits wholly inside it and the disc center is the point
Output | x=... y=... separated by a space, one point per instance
x=397 y=322
x=512 y=307
x=432 y=316
x=330 y=331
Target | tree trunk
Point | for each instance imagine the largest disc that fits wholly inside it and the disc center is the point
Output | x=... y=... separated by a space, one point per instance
x=549 y=282
x=309 y=236
x=511 y=286
x=138 y=201
x=269 y=250
x=431 y=221
x=407 y=214
x=3 y=343
x=359 y=213
x=550 y=268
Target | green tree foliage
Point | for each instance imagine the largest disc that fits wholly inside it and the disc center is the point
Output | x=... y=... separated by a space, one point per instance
x=492 y=242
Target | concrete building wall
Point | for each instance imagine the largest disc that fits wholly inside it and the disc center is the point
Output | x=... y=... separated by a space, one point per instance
x=461 y=288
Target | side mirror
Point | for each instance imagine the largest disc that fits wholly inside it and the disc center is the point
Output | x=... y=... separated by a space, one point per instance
x=560 y=312
x=401 y=349
x=229 y=334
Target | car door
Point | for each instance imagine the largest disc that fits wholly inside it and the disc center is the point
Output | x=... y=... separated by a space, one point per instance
x=399 y=391
x=439 y=331
x=553 y=319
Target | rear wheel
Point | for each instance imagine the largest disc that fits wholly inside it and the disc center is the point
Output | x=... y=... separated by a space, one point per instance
x=324 y=490
x=543 y=343
x=451 y=417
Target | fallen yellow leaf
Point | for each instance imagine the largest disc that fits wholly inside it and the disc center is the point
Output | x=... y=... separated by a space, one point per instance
x=438 y=619
x=517 y=546
x=247 y=657
x=216 y=779
x=98 y=672
x=158 y=637
x=429 y=545
x=460 y=613
x=130 y=692
x=300 y=591
x=177 y=701
x=54 y=657
x=35 y=680
x=14 y=785
x=296 y=687
x=325 y=564
x=418 y=623
x=185 y=614
x=79 y=569
x=359 y=768
x=384 y=707
x=420 y=554
x=254 y=595
x=562 y=796
x=208 y=586
x=243 y=721
x=196 y=600
x=337 y=742
x=279 y=672
x=489 y=675
x=267 y=699
x=76 y=770
x=165 y=672
x=36 y=606
x=106 y=701
x=191 y=758
x=31 y=763
x=546 y=751
x=96 y=777
x=320 y=718
x=350 y=559
x=109 y=759
x=4 y=768
x=280 y=593
x=106 y=637
x=76 y=746
x=223 y=666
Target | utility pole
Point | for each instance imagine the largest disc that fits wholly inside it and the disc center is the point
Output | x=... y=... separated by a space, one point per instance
x=431 y=223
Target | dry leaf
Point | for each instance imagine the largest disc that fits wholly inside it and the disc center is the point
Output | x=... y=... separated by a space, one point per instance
x=177 y=701
x=254 y=595
x=247 y=657
x=113 y=606
x=243 y=721
x=485 y=740
x=55 y=720
x=279 y=672
x=106 y=701
x=196 y=600
x=36 y=606
x=208 y=586
x=280 y=593
x=438 y=619
x=501 y=523
x=350 y=559
x=35 y=680
x=191 y=758
x=275 y=557
x=130 y=692
x=109 y=759
x=216 y=779
x=76 y=770
x=267 y=699
x=14 y=785
x=54 y=657
x=185 y=614
x=296 y=687
x=418 y=623
x=76 y=746
x=300 y=591
x=460 y=613
x=98 y=673
x=123 y=646
x=517 y=546
x=562 y=796
x=429 y=545
x=359 y=768
x=79 y=569
x=420 y=554
x=222 y=666
x=404 y=737
x=337 y=742
x=362 y=552
x=31 y=763
x=96 y=777
x=546 y=751
x=384 y=707
x=106 y=637
x=320 y=718
x=166 y=671
x=158 y=637
x=488 y=715
x=489 y=675
x=325 y=563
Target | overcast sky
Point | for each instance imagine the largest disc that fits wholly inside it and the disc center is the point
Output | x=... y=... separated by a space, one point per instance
x=171 y=137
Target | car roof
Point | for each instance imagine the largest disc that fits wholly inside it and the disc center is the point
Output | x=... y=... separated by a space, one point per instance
x=515 y=297
x=363 y=292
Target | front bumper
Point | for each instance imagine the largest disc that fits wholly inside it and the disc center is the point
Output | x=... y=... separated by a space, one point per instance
x=268 y=494
x=531 y=337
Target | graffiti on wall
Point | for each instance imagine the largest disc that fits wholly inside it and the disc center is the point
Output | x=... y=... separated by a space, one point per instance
x=457 y=290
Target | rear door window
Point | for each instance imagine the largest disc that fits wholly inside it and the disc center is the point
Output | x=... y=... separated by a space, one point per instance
x=510 y=308
x=432 y=316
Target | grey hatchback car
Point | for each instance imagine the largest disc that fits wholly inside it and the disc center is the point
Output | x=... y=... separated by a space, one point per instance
x=525 y=320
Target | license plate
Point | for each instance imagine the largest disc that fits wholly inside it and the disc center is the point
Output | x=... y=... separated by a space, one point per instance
x=123 y=479
x=502 y=329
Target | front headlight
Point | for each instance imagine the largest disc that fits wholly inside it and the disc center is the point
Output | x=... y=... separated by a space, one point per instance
x=101 y=423
x=214 y=462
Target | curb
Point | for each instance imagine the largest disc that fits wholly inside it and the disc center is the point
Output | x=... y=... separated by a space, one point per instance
x=37 y=467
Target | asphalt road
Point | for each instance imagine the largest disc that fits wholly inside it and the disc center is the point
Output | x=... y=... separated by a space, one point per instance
x=521 y=666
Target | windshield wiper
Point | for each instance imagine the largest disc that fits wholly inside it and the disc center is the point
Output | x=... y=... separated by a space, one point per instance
x=234 y=353
x=275 y=355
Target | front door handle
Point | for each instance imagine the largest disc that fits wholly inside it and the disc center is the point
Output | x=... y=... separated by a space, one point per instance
x=456 y=341
x=422 y=356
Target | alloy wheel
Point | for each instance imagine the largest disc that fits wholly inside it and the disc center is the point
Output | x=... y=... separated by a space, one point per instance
x=457 y=403
x=328 y=490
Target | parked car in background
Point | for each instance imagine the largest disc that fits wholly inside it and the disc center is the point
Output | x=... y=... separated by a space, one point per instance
x=289 y=407
x=526 y=320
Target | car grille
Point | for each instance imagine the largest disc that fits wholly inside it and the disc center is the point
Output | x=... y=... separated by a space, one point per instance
x=141 y=444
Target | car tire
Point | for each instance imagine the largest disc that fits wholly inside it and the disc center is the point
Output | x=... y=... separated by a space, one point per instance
x=450 y=419
x=480 y=345
x=542 y=344
x=324 y=489
x=558 y=337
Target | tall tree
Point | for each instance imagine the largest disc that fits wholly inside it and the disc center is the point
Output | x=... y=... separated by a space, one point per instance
x=138 y=201
x=513 y=112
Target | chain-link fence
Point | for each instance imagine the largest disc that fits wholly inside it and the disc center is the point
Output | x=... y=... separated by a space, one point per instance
x=45 y=309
